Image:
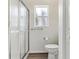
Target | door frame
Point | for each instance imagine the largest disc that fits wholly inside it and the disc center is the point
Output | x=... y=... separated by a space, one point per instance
x=64 y=51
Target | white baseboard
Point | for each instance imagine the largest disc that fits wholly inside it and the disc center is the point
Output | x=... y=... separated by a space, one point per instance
x=38 y=52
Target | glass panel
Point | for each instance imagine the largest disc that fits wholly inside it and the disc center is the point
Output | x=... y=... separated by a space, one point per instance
x=14 y=51
x=14 y=18
x=23 y=26
x=22 y=18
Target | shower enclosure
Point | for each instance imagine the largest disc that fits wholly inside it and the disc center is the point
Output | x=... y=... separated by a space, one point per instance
x=18 y=29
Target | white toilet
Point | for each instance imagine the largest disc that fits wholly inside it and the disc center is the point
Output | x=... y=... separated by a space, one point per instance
x=52 y=51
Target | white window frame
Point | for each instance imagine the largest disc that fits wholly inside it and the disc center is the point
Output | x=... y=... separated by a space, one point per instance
x=41 y=6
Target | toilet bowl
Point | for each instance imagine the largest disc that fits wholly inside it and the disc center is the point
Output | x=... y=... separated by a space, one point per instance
x=52 y=51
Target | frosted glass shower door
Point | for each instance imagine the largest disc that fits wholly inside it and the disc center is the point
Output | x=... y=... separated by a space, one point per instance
x=23 y=27
x=14 y=43
x=18 y=30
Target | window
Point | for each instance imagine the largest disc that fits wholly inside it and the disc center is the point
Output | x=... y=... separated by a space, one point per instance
x=41 y=16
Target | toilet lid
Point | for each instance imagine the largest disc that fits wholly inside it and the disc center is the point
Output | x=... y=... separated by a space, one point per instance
x=51 y=46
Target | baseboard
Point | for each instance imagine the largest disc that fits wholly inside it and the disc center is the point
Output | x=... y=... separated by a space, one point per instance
x=38 y=52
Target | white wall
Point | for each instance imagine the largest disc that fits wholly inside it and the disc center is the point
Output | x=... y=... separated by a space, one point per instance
x=51 y=31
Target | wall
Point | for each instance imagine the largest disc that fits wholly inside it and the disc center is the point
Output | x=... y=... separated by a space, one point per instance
x=51 y=31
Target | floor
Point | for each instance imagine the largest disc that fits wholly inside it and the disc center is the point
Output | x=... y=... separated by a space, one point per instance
x=38 y=56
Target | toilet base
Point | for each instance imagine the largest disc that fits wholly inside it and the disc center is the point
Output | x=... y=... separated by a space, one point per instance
x=51 y=56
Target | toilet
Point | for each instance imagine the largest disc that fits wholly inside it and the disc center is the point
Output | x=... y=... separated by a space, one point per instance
x=52 y=51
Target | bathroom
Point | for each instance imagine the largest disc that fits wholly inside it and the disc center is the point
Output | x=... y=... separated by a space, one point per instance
x=34 y=29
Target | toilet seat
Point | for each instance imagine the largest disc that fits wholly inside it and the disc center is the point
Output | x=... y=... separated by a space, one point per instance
x=51 y=46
